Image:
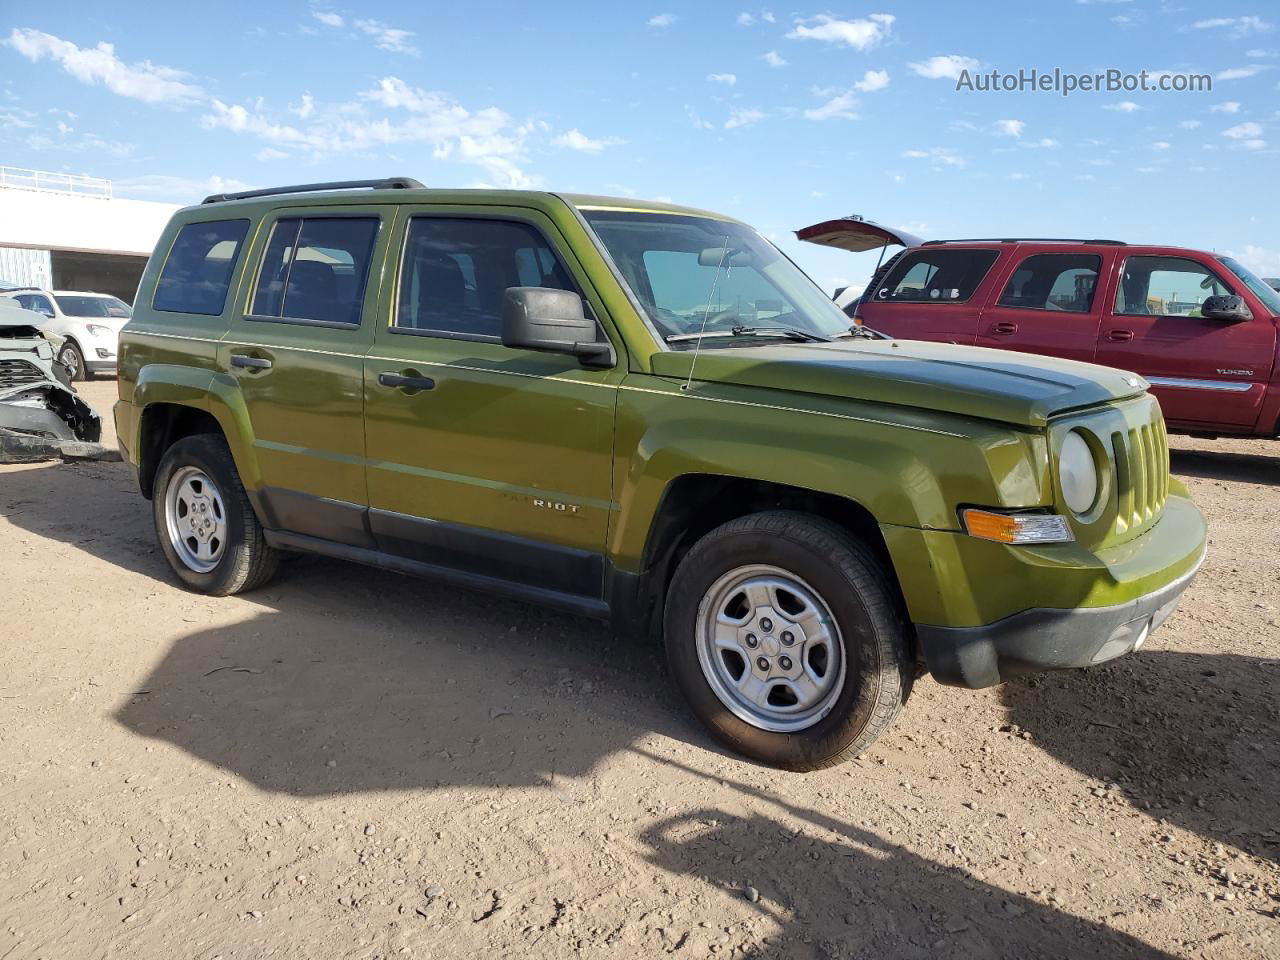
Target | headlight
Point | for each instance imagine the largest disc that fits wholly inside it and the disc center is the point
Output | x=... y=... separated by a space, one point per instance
x=98 y=330
x=1077 y=473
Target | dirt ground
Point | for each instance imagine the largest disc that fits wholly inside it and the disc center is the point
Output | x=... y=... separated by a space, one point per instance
x=354 y=764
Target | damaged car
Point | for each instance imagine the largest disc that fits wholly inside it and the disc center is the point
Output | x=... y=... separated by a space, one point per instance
x=40 y=414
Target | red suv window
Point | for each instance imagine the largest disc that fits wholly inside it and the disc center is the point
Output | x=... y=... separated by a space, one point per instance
x=936 y=276
x=1053 y=281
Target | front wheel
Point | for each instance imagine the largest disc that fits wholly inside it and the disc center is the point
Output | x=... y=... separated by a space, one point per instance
x=784 y=634
x=72 y=360
x=205 y=524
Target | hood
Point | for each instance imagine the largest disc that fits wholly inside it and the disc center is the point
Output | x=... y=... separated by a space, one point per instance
x=969 y=381
x=856 y=234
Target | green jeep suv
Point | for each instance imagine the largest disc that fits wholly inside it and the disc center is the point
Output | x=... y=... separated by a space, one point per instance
x=648 y=415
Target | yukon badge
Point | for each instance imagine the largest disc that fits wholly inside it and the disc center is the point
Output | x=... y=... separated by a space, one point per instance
x=1235 y=373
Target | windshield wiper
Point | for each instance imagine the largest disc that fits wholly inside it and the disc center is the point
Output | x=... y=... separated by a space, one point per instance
x=860 y=332
x=785 y=333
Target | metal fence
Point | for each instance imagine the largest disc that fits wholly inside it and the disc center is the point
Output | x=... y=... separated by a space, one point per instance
x=18 y=178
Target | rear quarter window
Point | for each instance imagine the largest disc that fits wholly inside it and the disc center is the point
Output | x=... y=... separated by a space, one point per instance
x=198 y=270
x=935 y=276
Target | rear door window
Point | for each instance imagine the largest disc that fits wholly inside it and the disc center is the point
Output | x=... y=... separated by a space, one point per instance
x=198 y=269
x=1053 y=281
x=315 y=270
x=936 y=276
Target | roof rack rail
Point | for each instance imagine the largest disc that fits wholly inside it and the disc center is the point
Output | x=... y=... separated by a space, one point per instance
x=1110 y=243
x=386 y=183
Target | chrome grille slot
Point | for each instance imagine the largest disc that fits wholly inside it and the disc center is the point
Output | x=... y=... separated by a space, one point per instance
x=17 y=373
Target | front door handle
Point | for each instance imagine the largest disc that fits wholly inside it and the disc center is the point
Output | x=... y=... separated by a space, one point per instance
x=1005 y=327
x=251 y=363
x=406 y=382
x=1120 y=336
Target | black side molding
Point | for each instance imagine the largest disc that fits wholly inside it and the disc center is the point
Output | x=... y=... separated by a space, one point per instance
x=386 y=183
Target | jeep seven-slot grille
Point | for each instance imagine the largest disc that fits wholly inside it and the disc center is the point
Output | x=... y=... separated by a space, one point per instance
x=17 y=373
x=1142 y=473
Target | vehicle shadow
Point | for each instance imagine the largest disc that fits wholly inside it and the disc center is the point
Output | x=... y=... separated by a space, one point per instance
x=1225 y=465
x=346 y=679
x=1195 y=742
x=360 y=680
x=838 y=891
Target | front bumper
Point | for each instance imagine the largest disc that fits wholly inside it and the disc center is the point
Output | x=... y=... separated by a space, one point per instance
x=985 y=611
x=1045 y=639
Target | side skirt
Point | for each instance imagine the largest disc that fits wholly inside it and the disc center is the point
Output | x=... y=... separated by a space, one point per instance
x=583 y=606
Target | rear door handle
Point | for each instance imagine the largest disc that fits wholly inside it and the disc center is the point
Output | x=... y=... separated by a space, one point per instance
x=403 y=382
x=1120 y=336
x=252 y=363
x=1005 y=327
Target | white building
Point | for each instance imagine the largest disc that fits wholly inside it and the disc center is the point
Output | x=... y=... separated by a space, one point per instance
x=69 y=233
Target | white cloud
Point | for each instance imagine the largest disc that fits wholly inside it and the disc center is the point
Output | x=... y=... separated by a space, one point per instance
x=772 y=59
x=662 y=20
x=1241 y=73
x=1259 y=54
x=1044 y=143
x=391 y=39
x=1189 y=124
x=1010 y=128
x=941 y=156
x=1161 y=145
x=948 y=67
x=1124 y=106
x=328 y=18
x=743 y=117
x=1262 y=261
x=728 y=79
x=177 y=189
x=872 y=81
x=860 y=34
x=305 y=108
x=1230 y=106
x=145 y=81
x=839 y=105
x=746 y=19
x=575 y=139
x=1244 y=131
x=271 y=153
x=486 y=138
x=1238 y=26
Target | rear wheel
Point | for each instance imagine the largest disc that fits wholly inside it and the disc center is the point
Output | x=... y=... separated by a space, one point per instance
x=205 y=524
x=783 y=633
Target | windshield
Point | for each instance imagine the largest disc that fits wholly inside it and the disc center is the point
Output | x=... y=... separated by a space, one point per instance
x=93 y=307
x=686 y=270
x=1261 y=290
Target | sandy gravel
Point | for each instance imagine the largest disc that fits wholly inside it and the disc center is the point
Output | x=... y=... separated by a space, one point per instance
x=354 y=764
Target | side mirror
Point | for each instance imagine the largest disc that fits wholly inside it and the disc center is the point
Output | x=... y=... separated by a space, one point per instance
x=553 y=321
x=1228 y=307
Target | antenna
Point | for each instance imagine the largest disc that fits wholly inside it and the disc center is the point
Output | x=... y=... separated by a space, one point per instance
x=706 y=314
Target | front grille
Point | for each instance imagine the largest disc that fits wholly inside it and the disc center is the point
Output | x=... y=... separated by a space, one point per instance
x=1142 y=473
x=18 y=373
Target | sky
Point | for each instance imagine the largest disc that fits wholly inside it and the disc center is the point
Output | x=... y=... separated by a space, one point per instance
x=779 y=116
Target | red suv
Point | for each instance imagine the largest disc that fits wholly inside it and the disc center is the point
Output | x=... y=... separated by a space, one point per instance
x=1199 y=326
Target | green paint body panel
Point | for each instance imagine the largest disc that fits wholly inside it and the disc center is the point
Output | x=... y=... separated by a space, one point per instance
x=541 y=448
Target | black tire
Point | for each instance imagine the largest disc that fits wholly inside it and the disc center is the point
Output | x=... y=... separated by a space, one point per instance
x=72 y=359
x=247 y=561
x=860 y=595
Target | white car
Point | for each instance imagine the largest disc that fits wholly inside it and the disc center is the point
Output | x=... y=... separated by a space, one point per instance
x=89 y=323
